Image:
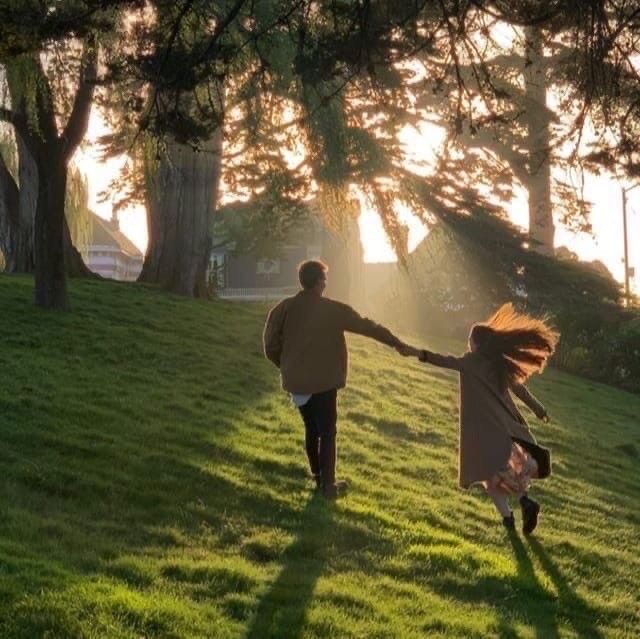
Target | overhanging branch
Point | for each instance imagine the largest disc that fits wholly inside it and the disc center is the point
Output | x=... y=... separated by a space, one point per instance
x=78 y=121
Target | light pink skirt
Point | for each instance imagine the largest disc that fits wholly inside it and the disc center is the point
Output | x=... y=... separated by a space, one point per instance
x=516 y=477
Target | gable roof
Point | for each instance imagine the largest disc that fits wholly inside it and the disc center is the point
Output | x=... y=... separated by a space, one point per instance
x=106 y=233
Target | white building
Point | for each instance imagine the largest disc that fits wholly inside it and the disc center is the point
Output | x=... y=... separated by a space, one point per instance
x=111 y=253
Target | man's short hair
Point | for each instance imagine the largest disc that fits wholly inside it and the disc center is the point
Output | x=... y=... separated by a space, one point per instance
x=311 y=272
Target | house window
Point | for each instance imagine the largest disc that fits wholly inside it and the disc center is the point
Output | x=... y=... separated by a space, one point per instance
x=268 y=267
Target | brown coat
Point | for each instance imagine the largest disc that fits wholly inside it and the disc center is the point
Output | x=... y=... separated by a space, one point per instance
x=489 y=418
x=304 y=338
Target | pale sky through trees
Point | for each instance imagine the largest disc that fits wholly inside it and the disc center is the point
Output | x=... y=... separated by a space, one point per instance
x=606 y=244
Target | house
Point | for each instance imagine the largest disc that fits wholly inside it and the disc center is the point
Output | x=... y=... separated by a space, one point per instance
x=252 y=277
x=110 y=252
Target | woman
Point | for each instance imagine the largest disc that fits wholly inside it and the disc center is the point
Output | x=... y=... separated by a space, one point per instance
x=497 y=448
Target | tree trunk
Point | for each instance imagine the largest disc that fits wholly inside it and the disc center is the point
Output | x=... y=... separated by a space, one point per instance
x=50 y=273
x=538 y=121
x=17 y=211
x=182 y=190
x=9 y=216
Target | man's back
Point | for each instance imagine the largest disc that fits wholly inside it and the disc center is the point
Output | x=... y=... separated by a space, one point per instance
x=304 y=337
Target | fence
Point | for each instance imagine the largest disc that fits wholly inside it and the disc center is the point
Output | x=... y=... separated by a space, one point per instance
x=256 y=294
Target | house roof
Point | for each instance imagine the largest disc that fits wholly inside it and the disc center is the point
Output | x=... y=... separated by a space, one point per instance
x=107 y=233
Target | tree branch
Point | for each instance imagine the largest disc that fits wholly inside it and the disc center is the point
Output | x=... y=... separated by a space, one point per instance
x=484 y=140
x=78 y=121
x=220 y=29
x=513 y=18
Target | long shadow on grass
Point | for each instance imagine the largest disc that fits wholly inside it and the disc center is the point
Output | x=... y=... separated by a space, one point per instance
x=518 y=598
x=580 y=615
x=546 y=627
x=394 y=429
x=282 y=610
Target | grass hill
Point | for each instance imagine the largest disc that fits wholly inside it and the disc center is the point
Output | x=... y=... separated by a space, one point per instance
x=152 y=484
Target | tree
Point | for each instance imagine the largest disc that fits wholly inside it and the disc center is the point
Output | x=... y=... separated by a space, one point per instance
x=33 y=114
x=50 y=54
x=591 y=54
x=509 y=133
x=177 y=138
x=77 y=213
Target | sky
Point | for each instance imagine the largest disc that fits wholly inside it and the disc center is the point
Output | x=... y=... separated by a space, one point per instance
x=605 y=244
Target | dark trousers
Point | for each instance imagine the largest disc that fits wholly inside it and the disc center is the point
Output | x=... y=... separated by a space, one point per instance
x=320 y=416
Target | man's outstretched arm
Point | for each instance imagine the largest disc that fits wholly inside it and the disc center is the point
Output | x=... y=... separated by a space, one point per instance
x=355 y=323
x=272 y=337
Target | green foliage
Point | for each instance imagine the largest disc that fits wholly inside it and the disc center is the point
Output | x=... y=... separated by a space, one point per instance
x=154 y=485
x=77 y=209
x=27 y=85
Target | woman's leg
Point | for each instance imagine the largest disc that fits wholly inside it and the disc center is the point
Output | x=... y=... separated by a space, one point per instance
x=500 y=500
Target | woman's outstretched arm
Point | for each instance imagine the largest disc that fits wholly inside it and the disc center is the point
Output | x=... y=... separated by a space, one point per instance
x=436 y=359
x=525 y=396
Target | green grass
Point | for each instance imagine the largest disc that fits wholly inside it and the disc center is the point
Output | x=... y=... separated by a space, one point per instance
x=153 y=484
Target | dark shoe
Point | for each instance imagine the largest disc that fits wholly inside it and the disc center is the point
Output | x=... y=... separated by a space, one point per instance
x=530 y=512
x=335 y=490
x=509 y=522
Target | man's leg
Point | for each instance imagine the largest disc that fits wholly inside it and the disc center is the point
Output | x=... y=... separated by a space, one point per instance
x=327 y=423
x=312 y=437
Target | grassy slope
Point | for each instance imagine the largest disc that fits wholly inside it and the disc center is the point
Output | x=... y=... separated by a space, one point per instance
x=152 y=483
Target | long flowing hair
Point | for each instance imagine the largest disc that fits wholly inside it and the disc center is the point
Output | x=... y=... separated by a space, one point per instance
x=519 y=345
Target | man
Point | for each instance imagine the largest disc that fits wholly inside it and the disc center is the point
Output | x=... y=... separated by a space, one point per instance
x=304 y=338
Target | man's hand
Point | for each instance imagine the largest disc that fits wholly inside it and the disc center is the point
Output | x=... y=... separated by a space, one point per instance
x=407 y=351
